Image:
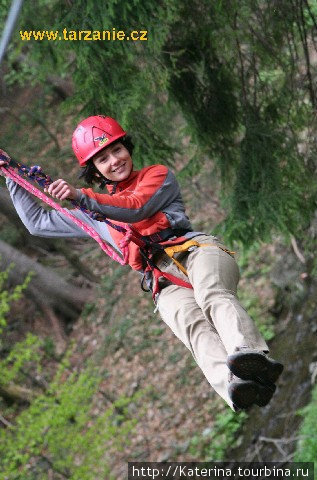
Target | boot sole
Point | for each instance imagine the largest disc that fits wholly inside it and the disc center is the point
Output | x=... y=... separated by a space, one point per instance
x=248 y=393
x=243 y=395
x=256 y=367
x=265 y=395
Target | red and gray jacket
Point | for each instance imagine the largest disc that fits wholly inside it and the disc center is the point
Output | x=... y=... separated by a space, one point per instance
x=149 y=199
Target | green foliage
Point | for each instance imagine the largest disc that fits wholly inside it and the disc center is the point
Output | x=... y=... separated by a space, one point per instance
x=49 y=347
x=263 y=320
x=307 y=443
x=10 y=234
x=9 y=296
x=255 y=264
x=22 y=355
x=267 y=196
x=62 y=433
x=213 y=443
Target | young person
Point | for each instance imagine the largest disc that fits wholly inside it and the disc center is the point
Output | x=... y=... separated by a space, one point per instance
x=207 y=317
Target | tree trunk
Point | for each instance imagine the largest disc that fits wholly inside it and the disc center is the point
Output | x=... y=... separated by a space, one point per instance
x=57 y=329
x=7 y=207
x=9 y=211
x=16 y=393
x=46 y=285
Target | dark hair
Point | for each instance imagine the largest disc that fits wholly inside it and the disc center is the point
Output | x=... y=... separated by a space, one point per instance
x=92 y=175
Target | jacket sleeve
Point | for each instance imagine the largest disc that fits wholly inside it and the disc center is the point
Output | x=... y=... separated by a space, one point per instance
x=51 y=223
x=156 y=189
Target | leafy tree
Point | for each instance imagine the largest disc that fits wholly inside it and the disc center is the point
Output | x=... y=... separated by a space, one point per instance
x=307 y=443
x=9 y=296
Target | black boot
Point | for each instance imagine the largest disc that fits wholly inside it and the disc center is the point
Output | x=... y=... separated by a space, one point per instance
x=256 y=366
x=245 y=393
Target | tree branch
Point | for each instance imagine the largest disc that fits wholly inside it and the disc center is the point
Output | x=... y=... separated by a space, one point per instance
x=16 y=393
x=5 y=422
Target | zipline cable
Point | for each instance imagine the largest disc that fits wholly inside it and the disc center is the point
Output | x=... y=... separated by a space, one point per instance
x=9 y=26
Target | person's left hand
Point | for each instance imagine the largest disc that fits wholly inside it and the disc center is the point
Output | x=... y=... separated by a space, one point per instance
x=4 y=160
x=4 y=157
x=61 y=190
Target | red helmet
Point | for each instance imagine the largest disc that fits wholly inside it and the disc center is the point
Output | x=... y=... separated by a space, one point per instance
x=93 y=134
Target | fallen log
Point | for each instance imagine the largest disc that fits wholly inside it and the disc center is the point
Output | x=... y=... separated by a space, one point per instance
x=46 y=285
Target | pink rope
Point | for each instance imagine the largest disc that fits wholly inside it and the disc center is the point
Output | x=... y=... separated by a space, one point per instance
x=124 y=243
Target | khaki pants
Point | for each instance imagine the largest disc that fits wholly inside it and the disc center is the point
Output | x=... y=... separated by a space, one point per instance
x=209 y=319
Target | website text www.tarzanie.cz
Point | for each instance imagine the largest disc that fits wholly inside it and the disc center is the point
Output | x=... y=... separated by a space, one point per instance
x=83 y=35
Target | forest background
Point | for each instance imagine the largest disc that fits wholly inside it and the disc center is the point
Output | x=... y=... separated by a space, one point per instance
x=224 y=93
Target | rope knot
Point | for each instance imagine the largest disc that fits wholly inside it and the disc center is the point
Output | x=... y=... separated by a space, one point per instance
x=126 y=239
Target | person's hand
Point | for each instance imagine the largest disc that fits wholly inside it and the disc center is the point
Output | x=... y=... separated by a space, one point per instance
x=3 y=163
x=61 y=189
x=4 y=160
x=4 y=156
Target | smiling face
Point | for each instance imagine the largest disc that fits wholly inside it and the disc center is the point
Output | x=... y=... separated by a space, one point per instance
x=114 y=162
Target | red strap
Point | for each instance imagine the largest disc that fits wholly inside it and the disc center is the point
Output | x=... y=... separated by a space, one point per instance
x=177 y=281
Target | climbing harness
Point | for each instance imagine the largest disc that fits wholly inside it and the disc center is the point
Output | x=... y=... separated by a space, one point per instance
x=167 y=241
x=190 y=245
